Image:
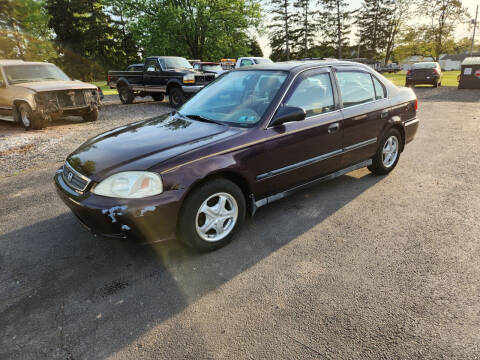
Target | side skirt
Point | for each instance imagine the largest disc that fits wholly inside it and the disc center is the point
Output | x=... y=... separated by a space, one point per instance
x=7 y=118
x=269 y=199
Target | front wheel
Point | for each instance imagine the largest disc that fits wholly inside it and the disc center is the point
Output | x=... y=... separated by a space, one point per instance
x=126 y=95
x=388 y=153
x=91 y=116
x=176 y=97
x=211 y=215
x=29 y=121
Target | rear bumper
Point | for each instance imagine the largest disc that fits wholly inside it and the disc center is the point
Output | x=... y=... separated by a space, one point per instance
x=411 y=128
x=422 y=80
x=148 y=220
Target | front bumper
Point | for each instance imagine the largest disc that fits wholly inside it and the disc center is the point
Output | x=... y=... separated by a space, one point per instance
x=192 y=89
x=149 y=220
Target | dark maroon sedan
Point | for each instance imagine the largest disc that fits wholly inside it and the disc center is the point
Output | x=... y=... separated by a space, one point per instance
x=251 y=137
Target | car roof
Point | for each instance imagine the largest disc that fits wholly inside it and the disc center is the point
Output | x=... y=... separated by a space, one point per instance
x=296 y=66
x=207 y=63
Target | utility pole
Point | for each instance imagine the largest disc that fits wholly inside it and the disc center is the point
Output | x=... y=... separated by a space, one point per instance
x=474 y=28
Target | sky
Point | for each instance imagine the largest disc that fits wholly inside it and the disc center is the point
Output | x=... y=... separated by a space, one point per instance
x=462 y=30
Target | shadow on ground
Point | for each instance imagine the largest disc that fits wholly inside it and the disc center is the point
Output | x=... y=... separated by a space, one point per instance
x=67 y=294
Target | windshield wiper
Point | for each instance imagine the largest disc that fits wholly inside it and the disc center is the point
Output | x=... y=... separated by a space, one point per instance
x=203 y=118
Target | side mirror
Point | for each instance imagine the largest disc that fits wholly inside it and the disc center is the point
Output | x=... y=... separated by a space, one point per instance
x=287 y=114
x=151 y=69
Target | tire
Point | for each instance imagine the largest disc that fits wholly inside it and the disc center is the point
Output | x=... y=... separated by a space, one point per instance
x=28 y=119
x=176 y=97
x=91 y=116
x=221 y=229
x=435 y=84
x=157 y=96
x=381 y=165
x=126 y=95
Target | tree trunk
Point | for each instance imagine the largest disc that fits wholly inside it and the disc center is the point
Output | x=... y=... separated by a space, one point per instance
x=339 y=30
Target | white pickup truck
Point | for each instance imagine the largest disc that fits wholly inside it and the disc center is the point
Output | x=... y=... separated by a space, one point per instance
x=249 y=61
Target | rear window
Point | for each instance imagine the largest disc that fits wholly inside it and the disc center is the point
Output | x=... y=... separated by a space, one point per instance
x=427 y=65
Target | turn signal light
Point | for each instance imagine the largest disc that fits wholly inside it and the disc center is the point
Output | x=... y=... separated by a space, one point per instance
x=415 y=106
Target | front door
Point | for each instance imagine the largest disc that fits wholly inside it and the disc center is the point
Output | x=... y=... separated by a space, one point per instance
x=154 y=77
x=5 y=100
x=365 y=113
x=305 y=150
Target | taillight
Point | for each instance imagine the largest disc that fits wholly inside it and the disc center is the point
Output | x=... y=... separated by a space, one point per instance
x=415 y=105
x=434 y=71
x=409 y=72
x=108 y=77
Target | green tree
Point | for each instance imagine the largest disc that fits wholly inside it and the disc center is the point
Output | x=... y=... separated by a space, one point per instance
x=198 y=29
x=398 y=16
x=24 y=31
x=281 y=34
x=336 y=24
x=254 y=48
x=442 y=18
x=306 y=26
x=372 y=21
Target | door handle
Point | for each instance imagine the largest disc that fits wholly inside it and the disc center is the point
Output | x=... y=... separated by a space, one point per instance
x=333 y=128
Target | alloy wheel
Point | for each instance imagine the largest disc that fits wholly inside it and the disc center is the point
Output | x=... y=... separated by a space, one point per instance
x=216 y=217
x=390 y=151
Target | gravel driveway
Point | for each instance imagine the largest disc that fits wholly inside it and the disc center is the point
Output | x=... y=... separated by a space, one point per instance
x=362 y=267
x=20 y=149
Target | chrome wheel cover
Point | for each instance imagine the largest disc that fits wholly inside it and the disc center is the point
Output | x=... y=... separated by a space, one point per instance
x=390 y=151
x=24 y=117
x=216 y=217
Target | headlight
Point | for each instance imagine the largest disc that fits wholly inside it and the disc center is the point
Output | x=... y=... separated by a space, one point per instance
x=130 y=185
x=189 y=78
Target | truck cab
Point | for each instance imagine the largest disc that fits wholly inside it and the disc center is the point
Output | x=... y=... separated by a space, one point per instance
x=161 y=75
x=251 y=60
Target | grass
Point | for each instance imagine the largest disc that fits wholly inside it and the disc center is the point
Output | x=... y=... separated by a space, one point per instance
x=449 y=78
x=106 y=90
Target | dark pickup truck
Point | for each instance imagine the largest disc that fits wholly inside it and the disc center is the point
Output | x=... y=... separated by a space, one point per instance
x=170 y=75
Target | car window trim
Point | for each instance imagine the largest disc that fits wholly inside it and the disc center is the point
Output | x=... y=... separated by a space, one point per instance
x=332 y=85
x=328 y=68
x=365 y=103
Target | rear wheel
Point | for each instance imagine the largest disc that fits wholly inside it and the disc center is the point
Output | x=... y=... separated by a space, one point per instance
x=388 y=153
x=176 y=97
x=435 y=84
x=91 y=116
x=126 y=95
x=211 y=215
x=29 y=121
x=157 y=96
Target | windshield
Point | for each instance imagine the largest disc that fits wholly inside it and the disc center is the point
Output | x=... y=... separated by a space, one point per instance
x=263 y=61
x=212 y=68
x=427 y=65
x=177 y=62
x=238 y=97
x=17 y=74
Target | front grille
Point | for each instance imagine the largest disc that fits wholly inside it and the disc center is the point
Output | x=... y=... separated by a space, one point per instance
x=71 y=99
x=204 y=78
x=73 y=178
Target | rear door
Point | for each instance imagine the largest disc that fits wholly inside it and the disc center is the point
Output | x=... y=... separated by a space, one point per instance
x=365 y=112
x=305 y=150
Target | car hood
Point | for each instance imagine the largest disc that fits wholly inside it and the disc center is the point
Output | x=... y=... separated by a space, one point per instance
x=56 y=85
x=142 y=145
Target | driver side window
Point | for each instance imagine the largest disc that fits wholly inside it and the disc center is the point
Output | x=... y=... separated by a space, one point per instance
x=313 y=94
x=152 y=64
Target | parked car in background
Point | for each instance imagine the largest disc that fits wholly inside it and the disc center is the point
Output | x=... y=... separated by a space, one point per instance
x=469 y=77
x=424 y=73
x=135 y=67
x=389 y=68
x=160 y=75
x=209 y=67
x=228 y=64
x=254 y=136
x=249 y=61
x=33 y=93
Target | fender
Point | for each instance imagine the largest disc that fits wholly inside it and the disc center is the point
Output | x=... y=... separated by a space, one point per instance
x=174 y=81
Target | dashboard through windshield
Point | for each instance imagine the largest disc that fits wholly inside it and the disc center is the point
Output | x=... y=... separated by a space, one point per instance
x=238 y=98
